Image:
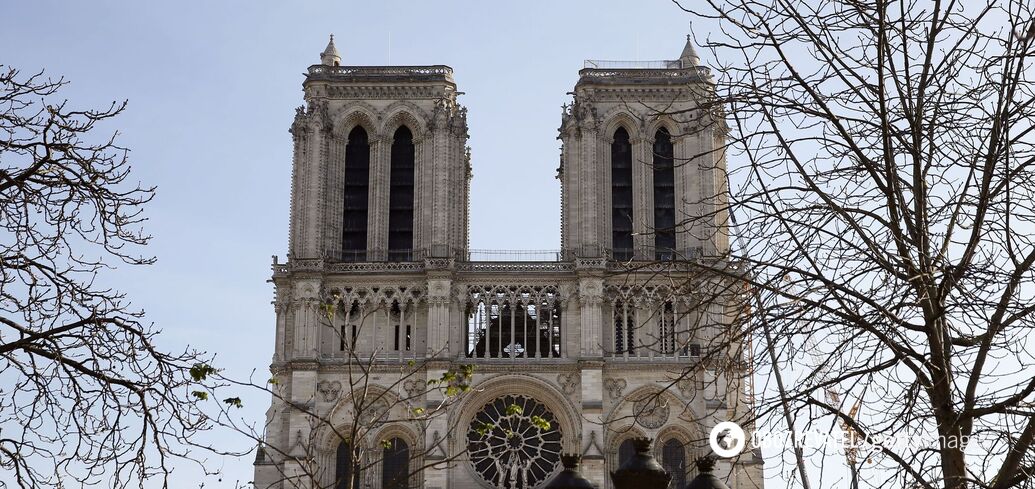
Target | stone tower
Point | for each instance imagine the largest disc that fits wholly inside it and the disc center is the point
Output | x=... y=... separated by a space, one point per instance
x=642 y=167
x=381 y=291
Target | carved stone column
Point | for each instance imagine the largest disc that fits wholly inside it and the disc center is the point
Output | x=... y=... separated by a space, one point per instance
x=590 y=303
x=643 y=190
x=377 y=207
x=439 y=287
x=299 y=136
x=589 y=220
x=305 y=304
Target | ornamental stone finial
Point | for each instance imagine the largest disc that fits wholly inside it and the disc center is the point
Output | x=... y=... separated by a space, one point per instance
x=330 y=56
x=689 y=58
x=641 y=471
x=705 y=479
x=570 y=478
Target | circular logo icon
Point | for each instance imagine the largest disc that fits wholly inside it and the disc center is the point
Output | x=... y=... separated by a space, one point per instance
x=727 y=439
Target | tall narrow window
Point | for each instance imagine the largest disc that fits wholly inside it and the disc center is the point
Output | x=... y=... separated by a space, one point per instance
x=673 y=459
x=625 y=451
x=624 y=327
x=395 y=315
x=664 y=197
x=395 y=465
x=400 y=205
x=621 y=196
x=343 y=467
x=351 y=317
x=357 y=184
x=667 y=328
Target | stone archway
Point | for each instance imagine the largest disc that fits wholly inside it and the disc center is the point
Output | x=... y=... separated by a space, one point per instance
x=515 y=428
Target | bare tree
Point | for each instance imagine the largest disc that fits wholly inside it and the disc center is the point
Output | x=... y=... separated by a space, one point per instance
x=88 y=397
x=880 y=159
x=378 y=389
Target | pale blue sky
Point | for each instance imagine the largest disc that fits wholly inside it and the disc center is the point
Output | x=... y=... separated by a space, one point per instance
x=212 y=87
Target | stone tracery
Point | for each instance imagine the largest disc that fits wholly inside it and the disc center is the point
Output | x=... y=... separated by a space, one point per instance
x=514 y=442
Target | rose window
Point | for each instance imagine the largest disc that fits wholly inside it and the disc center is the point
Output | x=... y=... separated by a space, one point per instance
x=514 y=442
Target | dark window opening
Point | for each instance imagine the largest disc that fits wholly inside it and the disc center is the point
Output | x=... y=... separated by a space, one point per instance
x=395 y=314
x=357 y=184
x=400 y=197
x=395 y=465
x=667 y=328
x=673 y=459
x=664 y=197
x=407 y=337
x=526 y=330
x=624 y=327
x=350 y=341
x=621 y=196
x=343 y=468
x=626 y=451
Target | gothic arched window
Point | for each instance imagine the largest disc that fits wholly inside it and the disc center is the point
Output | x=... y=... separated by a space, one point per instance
x=673 y=459
x=626 y=451
x=625 y=327
x=357 y=183
x=664 y=197
x=400 y=197
x=621 y=196
x=395 y=465
x=343 y=467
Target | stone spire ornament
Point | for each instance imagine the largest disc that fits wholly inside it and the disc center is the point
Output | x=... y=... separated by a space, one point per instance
x=705 y=479
x=569 y=478
x=642 y=470
x=330 y=56
x=689 y=58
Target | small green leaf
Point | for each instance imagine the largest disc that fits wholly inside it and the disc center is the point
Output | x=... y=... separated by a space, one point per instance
x=328 y=310
x=201 y=395
x=540 y=423
x=201 y=371
x=233 y=401
x=484 y=428
x=513 y=410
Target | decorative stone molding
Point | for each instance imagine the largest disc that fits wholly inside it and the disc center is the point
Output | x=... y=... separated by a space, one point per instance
x=551 y=397
x=569 y=382
x=402 y=112
x=648 y=294
x=516 y=267
x=651 y=412
x=593 y=451
x=414 y=388
x=614 y=388
x=329 y=390
x=376 y=267
x=591 y=291
x=689 y=386
x=379 y=92
x=376 y=296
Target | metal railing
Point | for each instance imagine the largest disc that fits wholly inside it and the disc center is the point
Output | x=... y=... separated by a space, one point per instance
x=647 y=253
x=665 y=64
x=514 y=255
x=382 y=73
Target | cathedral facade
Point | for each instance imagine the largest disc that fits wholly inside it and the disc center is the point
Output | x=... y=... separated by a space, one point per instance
x=404 y=359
